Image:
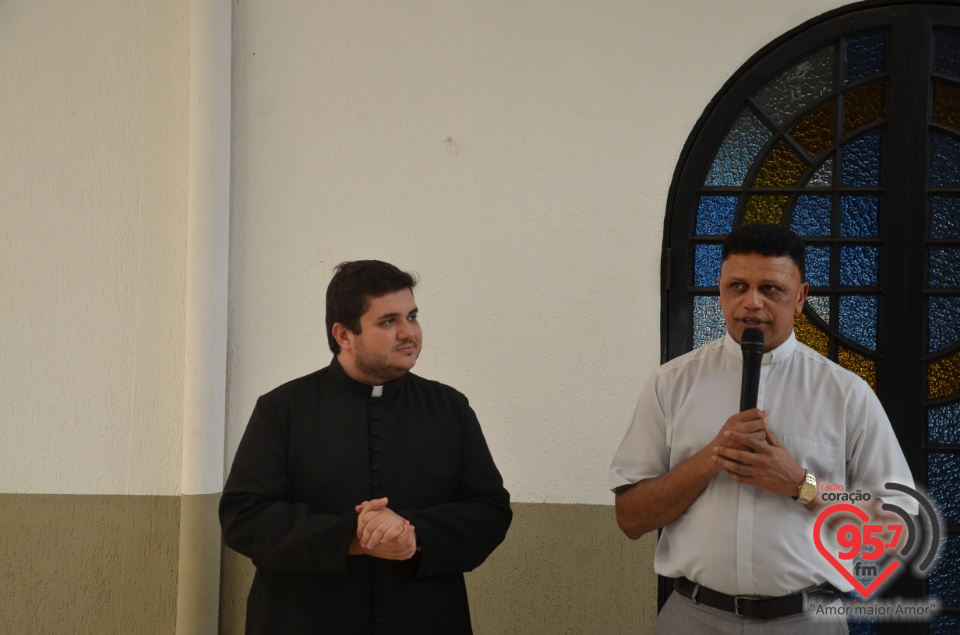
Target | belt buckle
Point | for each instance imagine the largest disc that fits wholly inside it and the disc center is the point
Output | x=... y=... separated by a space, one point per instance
x=736 y=603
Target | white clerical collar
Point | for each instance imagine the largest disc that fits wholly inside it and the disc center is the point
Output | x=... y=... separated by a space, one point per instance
x=377 y=391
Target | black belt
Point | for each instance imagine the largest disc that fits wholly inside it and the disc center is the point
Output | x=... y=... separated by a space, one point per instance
x=754 y=607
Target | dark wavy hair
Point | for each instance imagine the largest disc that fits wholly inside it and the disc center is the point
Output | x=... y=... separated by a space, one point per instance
x=353 y=285
x=767 y=240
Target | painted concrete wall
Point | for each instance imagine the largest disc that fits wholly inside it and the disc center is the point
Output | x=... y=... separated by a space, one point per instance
x=517 y=155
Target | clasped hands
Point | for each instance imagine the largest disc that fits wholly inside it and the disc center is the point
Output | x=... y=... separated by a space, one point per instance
x=752 y=455
x=382 y=533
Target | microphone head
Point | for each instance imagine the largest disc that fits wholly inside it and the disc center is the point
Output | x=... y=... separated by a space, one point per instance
x=751 y=340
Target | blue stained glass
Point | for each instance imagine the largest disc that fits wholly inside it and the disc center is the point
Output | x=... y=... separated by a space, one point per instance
x=818 y=266
x=944 y=625
x=944 y=160
x=820 y=305
x=823 y=177
x=943 y=322
x=860 y=166
x=859 y=216
x=708 y=323
x=944 y=217
x=944 y=271
x=946 y=52
x=858 y=319
x=715 y=215
x=943 y=424
x=738 y=151
x=706 y=270
x=858 y=266
x=860 y=625
x=866 y=56
x=943 y=575
x=943 y=483
x=811 y=216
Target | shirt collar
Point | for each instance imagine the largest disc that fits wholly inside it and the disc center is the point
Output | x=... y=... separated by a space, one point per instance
x=778 y=354
x=361 y=389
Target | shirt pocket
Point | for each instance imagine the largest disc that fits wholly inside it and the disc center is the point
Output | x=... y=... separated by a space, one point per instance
x=825 y=461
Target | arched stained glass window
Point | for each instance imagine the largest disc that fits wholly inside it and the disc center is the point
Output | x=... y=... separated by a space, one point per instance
x=847 y=131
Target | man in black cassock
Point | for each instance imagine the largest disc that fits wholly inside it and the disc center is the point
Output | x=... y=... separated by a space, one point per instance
x=362 y=492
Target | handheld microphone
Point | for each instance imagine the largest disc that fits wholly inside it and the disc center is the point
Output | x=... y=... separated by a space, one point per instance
x=751 y=345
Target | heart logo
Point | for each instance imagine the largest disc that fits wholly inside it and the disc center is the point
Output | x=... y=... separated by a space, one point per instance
x=865 y=591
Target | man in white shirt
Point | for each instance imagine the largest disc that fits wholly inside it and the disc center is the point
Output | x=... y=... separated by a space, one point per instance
x=736 y=494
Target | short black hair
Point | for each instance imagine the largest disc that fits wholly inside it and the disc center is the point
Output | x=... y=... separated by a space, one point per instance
x=767 y=240
x=354 y=283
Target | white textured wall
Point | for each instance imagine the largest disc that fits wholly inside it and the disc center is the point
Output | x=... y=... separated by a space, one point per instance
x=518 y=156
x=92 y=206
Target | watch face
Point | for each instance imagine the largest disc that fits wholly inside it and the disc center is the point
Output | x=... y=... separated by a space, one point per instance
x=808 y=491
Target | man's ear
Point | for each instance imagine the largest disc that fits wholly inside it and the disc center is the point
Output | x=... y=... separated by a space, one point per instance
x=343 y=335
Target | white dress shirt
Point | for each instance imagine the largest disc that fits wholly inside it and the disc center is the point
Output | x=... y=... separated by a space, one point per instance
x=735 y=538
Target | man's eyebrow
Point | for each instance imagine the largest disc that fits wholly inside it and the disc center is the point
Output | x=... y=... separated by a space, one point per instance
x=394 y=314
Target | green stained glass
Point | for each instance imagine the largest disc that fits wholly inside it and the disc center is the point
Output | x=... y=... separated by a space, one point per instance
x=798 y=87
x=765 y=208
x=738 y=151
x=814 y=133
x=943 y=377
x=866 y=368
x=946 y=105
x=783 y=168
x=862 y=107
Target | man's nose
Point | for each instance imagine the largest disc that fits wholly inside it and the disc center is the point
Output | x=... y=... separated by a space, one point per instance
x=754 y=298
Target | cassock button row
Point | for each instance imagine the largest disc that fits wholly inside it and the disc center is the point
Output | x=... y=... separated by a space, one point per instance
x=376 y=433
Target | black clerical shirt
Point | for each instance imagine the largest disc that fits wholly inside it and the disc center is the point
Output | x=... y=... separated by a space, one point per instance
x=318 y=446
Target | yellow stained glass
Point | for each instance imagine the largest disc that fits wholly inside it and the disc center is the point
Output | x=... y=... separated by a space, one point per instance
x=810 y=335
x=765 y=208
x=946 y=106
x=814 y=133
x=943 y=377
x=862 y=107
x=866 y=368
x=783 y=168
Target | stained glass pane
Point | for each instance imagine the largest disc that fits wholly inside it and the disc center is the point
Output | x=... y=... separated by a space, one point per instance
x=866 y=56
x=814 y=132
x=783 y=168
x=943 y=576
x=798 y=87
x=943 y=377
x=738 y=151
x=858 y=216
x=818 y=266
x=823 y=177
x=860 y=166
x=944 y=217
x=944 y=160
x=946 y=52
x=866 y=368
x=706 y=269
x=809 y=334
x=943 y=484
x=858 y=319
x=862 y=107
x=764 y=208
x=821 y=306
x=858 y=266
x=944 y=271
x=943 y=322
x=943 y=424
x=945 y=624
x=708 y=323
x=715 y=215
x=946 y=106
x=811 y=216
